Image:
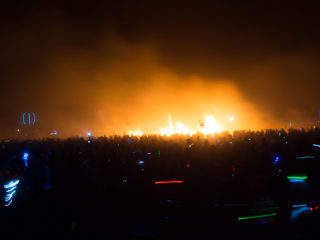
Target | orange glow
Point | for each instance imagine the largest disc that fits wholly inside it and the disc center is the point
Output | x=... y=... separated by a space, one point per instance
x=160 y=182
x=134 y=97
x=211 y=126
x=179 y=128
x=136 y=133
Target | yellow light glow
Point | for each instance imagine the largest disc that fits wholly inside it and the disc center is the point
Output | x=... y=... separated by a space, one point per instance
x=211 y=126
x=136 y=133
x=179 y=128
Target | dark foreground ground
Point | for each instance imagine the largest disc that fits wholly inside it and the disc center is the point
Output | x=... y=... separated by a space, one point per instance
x=45 y=216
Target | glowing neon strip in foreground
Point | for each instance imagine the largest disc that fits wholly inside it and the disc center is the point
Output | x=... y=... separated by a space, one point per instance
x=297 y=180
x=9 y=196
x=11 y=184
x=297 y=177
x=299 y=205
x=160 y=182
x=257 y=216
x=305 y=157
x=11 y=189
x=8 y=204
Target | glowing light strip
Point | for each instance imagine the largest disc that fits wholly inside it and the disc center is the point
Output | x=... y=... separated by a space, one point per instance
x=160 y=182
x=299 y=205
x=297 y=177
x=257 y=216
x=296 y=180
x=11 y=189
x=23 y=118
x=9 y=196
x=8 y=203
x=34 y=118
x=316 y=145
x=11 y=184
x=305 y=157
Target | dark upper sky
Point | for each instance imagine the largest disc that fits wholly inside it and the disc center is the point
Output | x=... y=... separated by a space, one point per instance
x=113 y=66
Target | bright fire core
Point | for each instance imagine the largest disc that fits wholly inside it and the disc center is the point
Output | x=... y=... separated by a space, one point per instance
x=209 y=126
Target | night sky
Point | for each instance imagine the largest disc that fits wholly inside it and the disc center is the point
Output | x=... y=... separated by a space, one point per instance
x=114 y=67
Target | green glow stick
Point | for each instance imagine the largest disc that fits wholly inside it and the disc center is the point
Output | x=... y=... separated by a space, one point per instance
x=297 y=177
x=257 y=216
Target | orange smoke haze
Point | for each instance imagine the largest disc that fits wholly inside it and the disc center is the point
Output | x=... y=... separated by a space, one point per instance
x=121 y=67
x=130 y=90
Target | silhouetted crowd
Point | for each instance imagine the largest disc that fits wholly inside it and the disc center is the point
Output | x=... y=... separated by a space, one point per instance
x=121 y=172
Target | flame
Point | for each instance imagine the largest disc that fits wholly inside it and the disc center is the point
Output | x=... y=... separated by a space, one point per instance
x=179 y=128
x=136 y=133
x=211 y=126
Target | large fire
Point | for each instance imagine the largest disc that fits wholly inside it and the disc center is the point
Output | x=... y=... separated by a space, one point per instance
x=178 y=128
x=209 y=126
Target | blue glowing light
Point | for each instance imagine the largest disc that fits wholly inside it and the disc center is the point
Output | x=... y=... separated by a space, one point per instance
x=11 y=184
x=316 y=145
x=9 y=196
x=295 y=213
x=276 y=160
x=10 y=190
x=141 y=162
x=30 y=120
x=8 y=204
x=299 y=205
x=297 y=180
x=25 y=158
